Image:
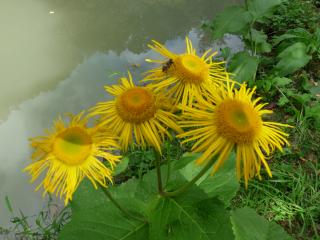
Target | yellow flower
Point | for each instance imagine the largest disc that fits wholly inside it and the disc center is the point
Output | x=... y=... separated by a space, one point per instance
x=70 y=153
x=232 y=119
x=136 y=113
x=185 y=76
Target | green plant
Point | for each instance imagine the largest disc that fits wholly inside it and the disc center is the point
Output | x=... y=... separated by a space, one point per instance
x=290 y=197
x=45 y=225
x=282 y=59
x=198 y=213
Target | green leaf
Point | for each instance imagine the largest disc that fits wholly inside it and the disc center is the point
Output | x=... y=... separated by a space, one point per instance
x=297 y=34
x=283 y=100
x=313 y=112
x=233 y=19
x=8 y=204
x=184 y=160
x=95 y=217
x=187 y=218
x=292 y=58
x=260 y=40
x=223 y=184
x=243 y=66
x=121 y=166
x=261 y=8
x=281 y=81
x=303 y=99
x=248 y=225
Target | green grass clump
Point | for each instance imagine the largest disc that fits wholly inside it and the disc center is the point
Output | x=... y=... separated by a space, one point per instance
x=46 y=225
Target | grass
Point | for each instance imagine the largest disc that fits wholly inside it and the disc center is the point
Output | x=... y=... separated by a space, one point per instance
x=46 y=225
x=291 y=197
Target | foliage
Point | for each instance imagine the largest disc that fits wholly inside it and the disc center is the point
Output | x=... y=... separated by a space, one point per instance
x=290 y=197
x=282 y=39
x=195 y=214
x=46 y=225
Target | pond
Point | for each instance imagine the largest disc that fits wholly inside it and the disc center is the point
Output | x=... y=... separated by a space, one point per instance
x=56 y=56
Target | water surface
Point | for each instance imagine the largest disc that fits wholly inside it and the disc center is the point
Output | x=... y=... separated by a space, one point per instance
x=55 y=57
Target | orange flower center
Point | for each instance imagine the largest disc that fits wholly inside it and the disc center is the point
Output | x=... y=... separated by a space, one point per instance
x=190 y=69
x=136 y=105
x=237 y=121
x=72 y=146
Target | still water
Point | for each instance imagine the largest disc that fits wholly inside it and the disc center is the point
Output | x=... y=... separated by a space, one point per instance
x=55 y=57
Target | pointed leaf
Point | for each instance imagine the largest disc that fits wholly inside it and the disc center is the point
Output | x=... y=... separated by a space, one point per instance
x=248 y=225
x=121 y=166
x=233 y=19
x=261 y=8
x=292 y=58
x=243 y=66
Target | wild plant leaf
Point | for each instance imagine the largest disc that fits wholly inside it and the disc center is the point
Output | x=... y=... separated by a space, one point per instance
x=298 y=33
x=281 y=81
x=121 y=166
x=248 y=225
x=303 y=99
x=261 y=8
x=313 y=113
x=186 y=217
x=243 y=66
x=184 y=160
x=233 y=19
x=292 y=58
x=95 y=217
x=223 y=184
x=260 y=40
x=283 y=100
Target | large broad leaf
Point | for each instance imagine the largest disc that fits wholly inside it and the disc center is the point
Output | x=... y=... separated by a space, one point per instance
x=292 y=58
x=248 y=225
x=95 y=217
x=233 y=19
x=261 y=8
x=223 y=184
x=243 y=66
x=187 y=218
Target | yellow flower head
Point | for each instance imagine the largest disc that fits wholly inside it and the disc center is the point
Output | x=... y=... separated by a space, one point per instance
x=137 y=113
x=230 y=119
x=70 y=153
x=187 y=75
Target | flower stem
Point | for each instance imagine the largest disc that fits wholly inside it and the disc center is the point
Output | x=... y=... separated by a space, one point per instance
x=190 y=184
x=158 y=166
x=114 y=201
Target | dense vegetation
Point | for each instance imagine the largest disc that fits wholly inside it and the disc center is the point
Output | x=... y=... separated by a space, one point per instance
x=282 y=58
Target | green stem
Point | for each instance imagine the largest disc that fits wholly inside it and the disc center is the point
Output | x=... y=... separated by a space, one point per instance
x=158 y=166
x=293 y=107
x=190 y=184
x=114 y=201
x=252 y=44
x=168 y=171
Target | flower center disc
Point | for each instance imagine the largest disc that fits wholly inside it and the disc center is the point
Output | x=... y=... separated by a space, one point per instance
x=136 y=105
x=72 y=146
x=191 y=69
x=237 y=121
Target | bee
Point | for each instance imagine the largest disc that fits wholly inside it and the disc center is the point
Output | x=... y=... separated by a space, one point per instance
x=167 y=65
